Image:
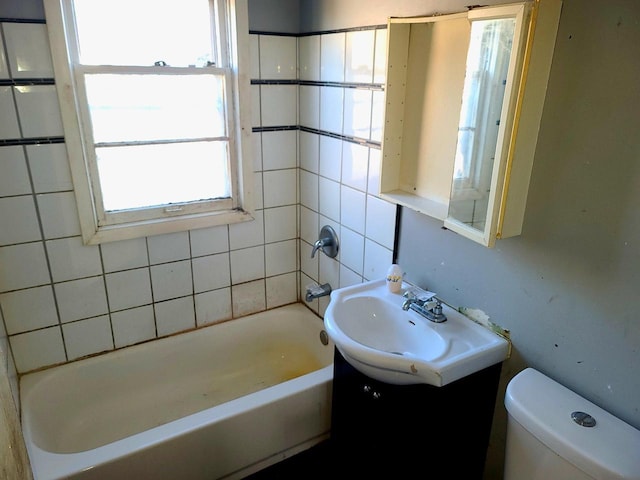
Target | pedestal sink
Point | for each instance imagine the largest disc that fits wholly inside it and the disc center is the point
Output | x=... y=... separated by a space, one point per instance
x=378 y=338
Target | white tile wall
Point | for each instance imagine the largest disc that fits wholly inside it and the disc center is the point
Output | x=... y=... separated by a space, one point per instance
x=62 y=300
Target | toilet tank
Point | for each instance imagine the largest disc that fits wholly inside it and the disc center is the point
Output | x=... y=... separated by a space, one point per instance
x=544 y=442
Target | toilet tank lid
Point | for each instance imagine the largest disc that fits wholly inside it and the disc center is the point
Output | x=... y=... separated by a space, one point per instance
x=609 y=450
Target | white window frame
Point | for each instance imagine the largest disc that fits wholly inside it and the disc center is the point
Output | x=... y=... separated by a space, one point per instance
x=232 y=26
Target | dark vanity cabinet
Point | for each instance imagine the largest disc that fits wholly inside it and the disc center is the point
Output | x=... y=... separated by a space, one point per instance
x=380 y=430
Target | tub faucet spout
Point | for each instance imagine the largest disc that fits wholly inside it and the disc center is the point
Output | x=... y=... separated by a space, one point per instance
x=317 y=291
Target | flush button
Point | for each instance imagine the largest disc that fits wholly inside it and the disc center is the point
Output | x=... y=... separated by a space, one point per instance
x=583 y=419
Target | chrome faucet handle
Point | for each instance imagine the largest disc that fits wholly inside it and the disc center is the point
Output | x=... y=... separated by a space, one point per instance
x=328 y=242
x=317 y=246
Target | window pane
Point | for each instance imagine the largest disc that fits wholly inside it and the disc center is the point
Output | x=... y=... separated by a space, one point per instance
x=151 y=175
x=142 y=32
x=155 y=107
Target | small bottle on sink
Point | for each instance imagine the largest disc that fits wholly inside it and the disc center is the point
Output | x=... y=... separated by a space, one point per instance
x=394 y=278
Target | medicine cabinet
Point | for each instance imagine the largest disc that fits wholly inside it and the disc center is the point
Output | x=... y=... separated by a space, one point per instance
x=464 y=98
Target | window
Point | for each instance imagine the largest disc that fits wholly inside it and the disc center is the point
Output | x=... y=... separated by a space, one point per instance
x=153 y=109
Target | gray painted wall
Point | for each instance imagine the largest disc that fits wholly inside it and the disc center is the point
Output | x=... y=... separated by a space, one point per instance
x=280 y=16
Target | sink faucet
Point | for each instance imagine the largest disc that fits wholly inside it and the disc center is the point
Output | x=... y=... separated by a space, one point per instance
x=430 y=309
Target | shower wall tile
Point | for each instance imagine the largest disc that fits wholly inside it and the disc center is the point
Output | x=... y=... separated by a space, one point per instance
x=59 y=215
x=359 y=54
x=124 y=255
x=280 y=224
x=281 y=290
x=37 y=349
x=175 y=316
x=127 y=289
x=310 y=106
x=247 y=264
x=279 y=105
x=23 y=266
x=280 y=187
x=309 y=190
x=169 y=247
x=332 y=57
x=380 y=221
x=87 y=337
x=248 y=298
x=380 y=56
x=309 y=151
x=133 y=326
x=279 y=150
x=15 y=176
x=4 y=68
x=376 y=260
x=281 y=257
x=256 y=148
x=355 y=165
x=210 y=272
x=39 y=111
x=309 y=48
x=213 y=307
x=28 y=50
x=330 y=163
x=331 y=105
x=82 y=298
x=329 y=204
x=375 y=165
x=8 y=115
x=352 y=209
x=247 y=234
x=309 y=229
x=357 y=113
x=207 y=241
x=40 y=304
x=254 y=56
x=20 y=213
x=278 y=57
x=171 y=280
x=352 y=249
x=70 y=259
x=49 y=168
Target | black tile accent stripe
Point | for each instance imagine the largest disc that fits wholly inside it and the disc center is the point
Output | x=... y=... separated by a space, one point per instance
x=23 y=82
x=275 y=34
x=346 y=138
x=367 y=86
x=275 y=82
x=22 y=20
x=31 y=141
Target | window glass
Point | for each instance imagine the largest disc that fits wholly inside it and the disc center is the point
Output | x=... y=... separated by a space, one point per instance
x=148 y=31
x=151 y=175
x=155 y=107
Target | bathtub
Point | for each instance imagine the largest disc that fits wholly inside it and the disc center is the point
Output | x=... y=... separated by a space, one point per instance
x=219 y=402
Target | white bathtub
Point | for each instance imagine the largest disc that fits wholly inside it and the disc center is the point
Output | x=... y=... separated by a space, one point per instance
x=219 y=402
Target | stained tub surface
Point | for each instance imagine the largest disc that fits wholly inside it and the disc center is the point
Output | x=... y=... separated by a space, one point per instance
x=221 y=401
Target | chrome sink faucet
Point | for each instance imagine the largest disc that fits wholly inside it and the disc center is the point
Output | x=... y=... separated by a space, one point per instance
x=430 y=309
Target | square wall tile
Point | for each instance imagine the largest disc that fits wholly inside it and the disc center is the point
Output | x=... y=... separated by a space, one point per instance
x=351 y=250
x=309 y=151
x=355 y=165
x=352 y=209
x=357 y=113
x=37 y=349
x=375 y=166
x=329 y=203
x=124 y=255
x=175 y=316
x=381 y=221
x=279 y=149
x=332 y=57
x=247 y=264
x=81 y=299
x=70 y=258
x=281 y=257
x=280 y=223
x=14 y=176
x=258 y=194
x=309 y=53
x=330 y=158
x=309 y=190
x=59 y=214
x=331 y=107
x=376 y=260
x=39 y=111
x=213 y=307
x=18 y=220
x=309 y=228
x=28 y=50
x=255 y=106
x=256 y=150
x=380 y=57
x=49 y=167
x=309 y=266
x=278 y=57
x=23 y=266
x=348 y=277
x=310 y=106
x=133 y=326
x=87 y=337
x=279 y=105
x=8 y=115
x=169 y=247
x=359 y=56
x=127 y=289
x=211 y=272
x=329 y=271
x=171 y=280
x=29 y=309
x=377 y=116
x=254 y=56
x=207 y=241
x=282 y=290
x=248 y=298
x=247 y=234
x=280 y=187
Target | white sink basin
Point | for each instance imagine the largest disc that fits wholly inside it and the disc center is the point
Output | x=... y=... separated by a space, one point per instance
x=373 y=333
